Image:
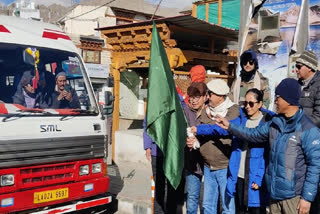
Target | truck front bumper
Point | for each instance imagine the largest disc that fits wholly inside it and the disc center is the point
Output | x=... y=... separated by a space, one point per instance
x=57 y=195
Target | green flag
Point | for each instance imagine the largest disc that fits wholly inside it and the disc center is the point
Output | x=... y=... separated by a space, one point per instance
x=166 y=123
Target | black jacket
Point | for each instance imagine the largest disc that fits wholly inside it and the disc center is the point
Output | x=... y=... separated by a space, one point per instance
x=310 y=99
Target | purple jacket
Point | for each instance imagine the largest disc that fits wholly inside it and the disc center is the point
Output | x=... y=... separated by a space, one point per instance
x=148 y=143
x=193 y=160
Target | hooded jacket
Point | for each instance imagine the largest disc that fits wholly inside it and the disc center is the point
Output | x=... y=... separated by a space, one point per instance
x=248 y=80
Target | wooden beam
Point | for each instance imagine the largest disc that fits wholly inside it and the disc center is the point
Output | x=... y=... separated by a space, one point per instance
x=207 y=12
x=116 y=112
x=122 y=18
x=204 y=2
x=187 y=30
x=194 y=10
x=219 y=12
x=211 y=45
x=191 y=55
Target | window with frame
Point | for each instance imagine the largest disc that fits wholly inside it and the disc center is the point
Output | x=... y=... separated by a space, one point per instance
x=91 y=56
x=122 y=21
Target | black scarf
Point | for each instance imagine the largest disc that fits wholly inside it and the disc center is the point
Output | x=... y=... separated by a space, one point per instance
x=247 y=76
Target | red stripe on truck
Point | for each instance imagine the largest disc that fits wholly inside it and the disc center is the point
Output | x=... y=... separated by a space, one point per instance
x=4 y=29
x=53 y=35
x=3 y=109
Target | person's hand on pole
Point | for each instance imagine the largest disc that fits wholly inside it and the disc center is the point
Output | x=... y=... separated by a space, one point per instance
x=194 y=130
x=191 y=141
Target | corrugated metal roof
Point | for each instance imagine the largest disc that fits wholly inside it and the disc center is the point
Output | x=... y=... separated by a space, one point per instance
x=185 y=21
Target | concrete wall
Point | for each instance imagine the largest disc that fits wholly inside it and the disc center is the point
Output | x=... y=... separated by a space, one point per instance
x=85 y=24
x=108 y=21
x=105 y=58
x=129 y=146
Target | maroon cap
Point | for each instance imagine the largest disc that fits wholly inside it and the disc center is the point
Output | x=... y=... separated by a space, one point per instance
x=197 y=89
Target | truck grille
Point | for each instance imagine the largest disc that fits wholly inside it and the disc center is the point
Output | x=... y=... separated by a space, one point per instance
x=46 y=175
x=50 y=150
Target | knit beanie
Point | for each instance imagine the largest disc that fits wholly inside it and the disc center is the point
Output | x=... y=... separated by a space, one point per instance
x=309 y=59
x=289 y=90
x=198 y=73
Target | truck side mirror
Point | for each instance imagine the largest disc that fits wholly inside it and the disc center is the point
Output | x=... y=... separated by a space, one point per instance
x=109 y=98
x=110 y=82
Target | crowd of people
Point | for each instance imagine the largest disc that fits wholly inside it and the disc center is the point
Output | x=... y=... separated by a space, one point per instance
x=251 y=160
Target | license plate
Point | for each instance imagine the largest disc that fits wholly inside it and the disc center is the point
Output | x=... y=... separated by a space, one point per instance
x=50 y=195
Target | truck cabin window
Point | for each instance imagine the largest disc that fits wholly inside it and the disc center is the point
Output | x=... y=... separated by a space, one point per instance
x=40 y=80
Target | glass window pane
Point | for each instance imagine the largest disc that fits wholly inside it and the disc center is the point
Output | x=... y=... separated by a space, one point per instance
x=57 y=84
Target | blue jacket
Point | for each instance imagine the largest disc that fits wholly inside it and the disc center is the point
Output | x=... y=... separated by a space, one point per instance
x=294 y=154
x=255 y=160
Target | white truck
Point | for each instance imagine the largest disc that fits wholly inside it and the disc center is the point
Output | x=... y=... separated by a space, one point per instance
x=52 y=156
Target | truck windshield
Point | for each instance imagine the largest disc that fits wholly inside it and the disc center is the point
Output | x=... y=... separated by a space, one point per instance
x=41 y=81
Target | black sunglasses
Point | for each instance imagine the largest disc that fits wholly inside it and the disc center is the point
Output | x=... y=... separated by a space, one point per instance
x=299 y=66
x=251 y=104
x=251 y=62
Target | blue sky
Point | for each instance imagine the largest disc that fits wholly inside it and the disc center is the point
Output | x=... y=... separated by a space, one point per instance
x=312 y=2
x=6 y=1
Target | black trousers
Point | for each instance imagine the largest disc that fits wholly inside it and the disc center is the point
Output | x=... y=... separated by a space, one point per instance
x=315 y=205
x=241 y=207
x=167 y=199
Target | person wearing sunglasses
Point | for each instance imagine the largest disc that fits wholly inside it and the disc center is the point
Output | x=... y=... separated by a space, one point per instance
x=249 y=78
x=247 y=162
x=309 y=79
x=292 y=175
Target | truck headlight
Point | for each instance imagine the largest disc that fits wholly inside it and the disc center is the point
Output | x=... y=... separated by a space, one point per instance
x=7 y=180
x=96 y=168
x=84 y=170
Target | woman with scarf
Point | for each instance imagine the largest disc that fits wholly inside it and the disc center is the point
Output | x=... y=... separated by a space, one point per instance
x=249 y=78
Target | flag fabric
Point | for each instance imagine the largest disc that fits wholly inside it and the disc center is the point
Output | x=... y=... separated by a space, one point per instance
x=166 y=122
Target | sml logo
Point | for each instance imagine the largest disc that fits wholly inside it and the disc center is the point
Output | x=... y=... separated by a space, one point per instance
x=49 y=128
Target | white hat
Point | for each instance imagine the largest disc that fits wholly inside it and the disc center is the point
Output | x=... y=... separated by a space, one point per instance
x=218 y=86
